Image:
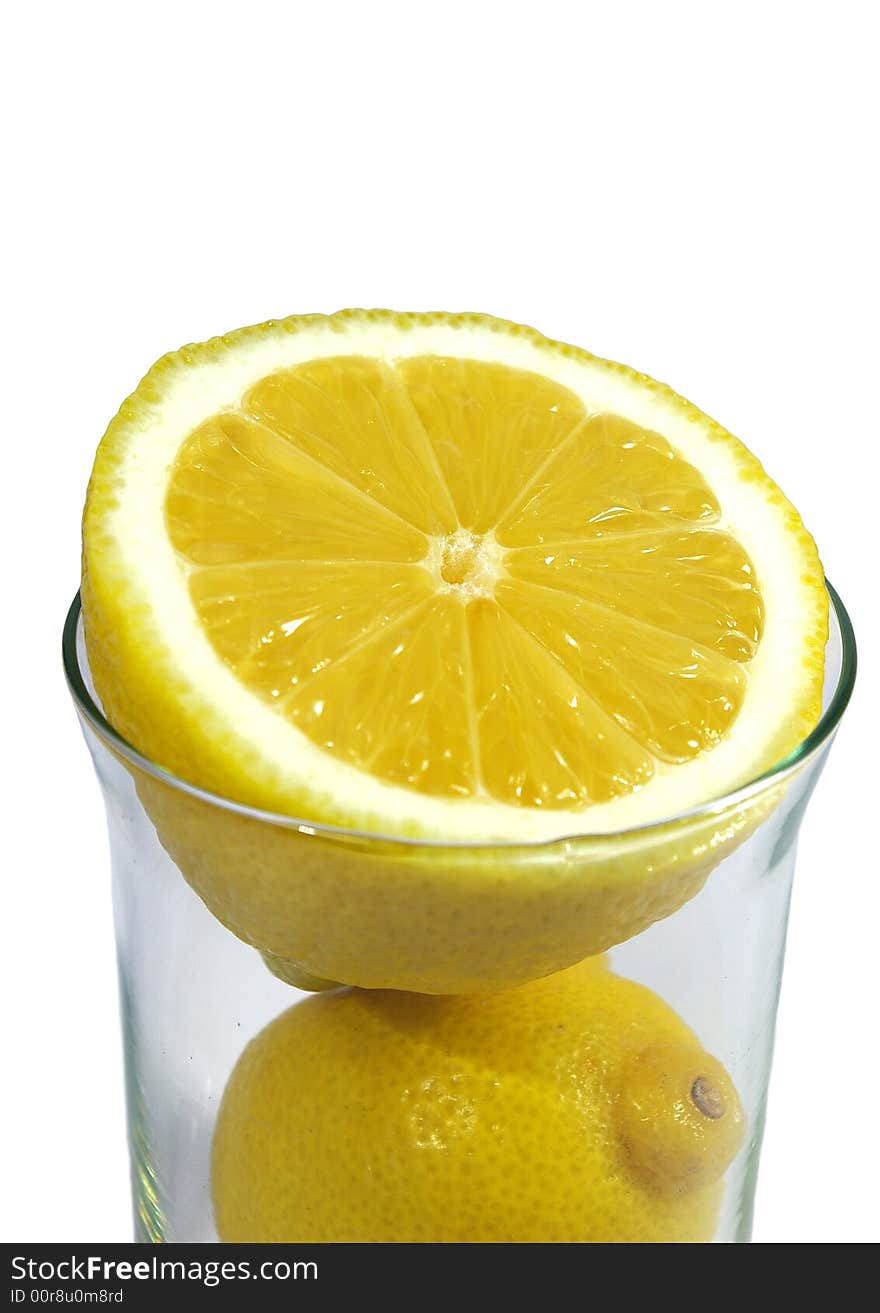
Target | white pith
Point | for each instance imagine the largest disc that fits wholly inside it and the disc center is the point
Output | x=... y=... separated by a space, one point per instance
x=156 y=578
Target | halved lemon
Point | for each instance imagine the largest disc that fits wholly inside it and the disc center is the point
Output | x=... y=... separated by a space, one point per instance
x=438 y=576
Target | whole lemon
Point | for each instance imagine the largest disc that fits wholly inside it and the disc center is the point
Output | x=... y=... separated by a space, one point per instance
x=575 y=1108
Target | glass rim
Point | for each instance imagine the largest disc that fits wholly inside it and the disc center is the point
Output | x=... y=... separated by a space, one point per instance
x=808 y=748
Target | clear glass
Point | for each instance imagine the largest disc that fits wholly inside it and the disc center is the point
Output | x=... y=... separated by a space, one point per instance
x=195 y=992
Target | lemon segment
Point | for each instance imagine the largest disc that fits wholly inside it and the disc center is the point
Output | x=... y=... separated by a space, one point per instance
x=493 y=428
x=354 y=416
x=544 y=740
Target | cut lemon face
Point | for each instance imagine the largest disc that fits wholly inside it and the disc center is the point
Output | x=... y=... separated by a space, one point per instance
x=436 y=575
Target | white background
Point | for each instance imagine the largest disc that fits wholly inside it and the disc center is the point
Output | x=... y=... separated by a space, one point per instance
x=686 y=187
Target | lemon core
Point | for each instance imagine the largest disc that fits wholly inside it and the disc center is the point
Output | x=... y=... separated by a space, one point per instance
x=466 y=564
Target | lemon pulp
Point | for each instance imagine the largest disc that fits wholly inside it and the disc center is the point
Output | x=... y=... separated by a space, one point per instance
x=451 y=575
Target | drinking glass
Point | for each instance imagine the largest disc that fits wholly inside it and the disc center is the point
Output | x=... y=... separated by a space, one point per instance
x=198 y=980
